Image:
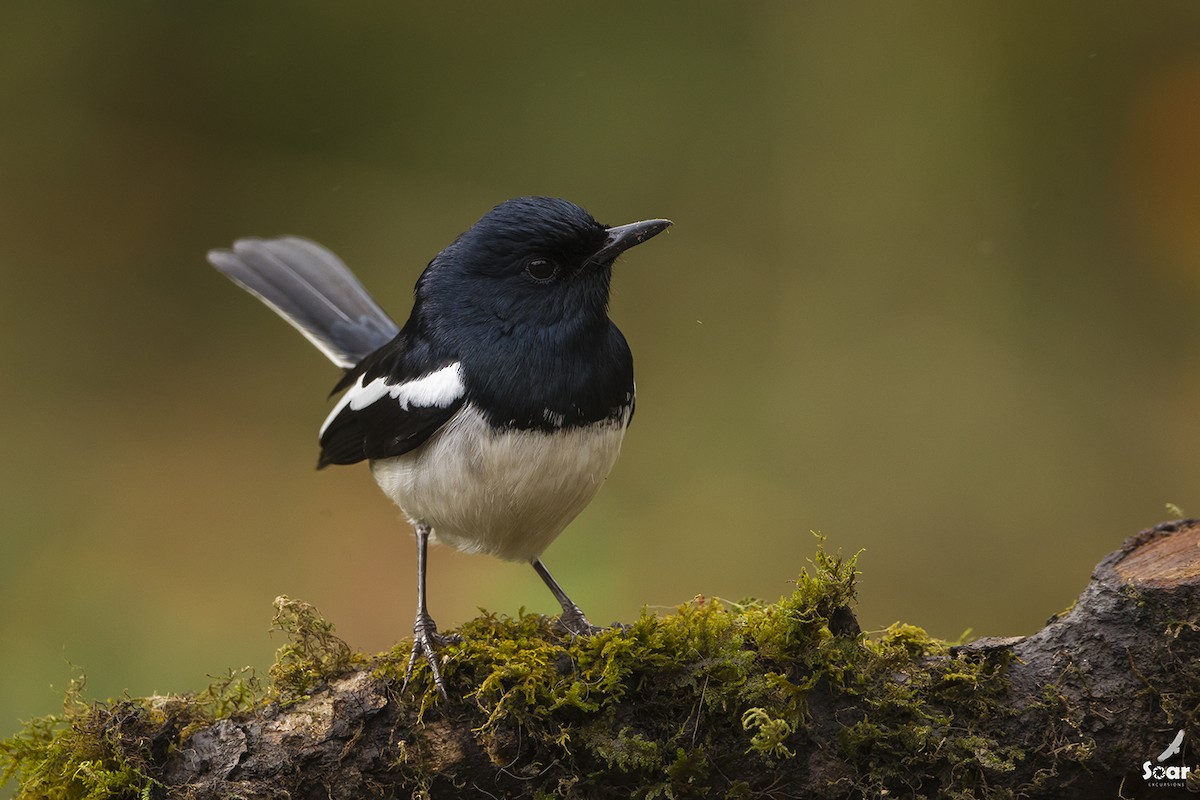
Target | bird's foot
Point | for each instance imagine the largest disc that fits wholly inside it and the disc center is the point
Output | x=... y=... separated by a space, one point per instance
x=575 y=623
x=426 y=640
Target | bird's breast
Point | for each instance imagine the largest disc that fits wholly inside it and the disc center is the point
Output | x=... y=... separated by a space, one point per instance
x=506 y=491
x=546 y=380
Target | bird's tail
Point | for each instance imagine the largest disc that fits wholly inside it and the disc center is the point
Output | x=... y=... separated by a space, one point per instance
x=313 y=290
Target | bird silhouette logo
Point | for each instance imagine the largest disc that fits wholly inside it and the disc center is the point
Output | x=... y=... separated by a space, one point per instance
x=1160 y=775
x=1173 y=749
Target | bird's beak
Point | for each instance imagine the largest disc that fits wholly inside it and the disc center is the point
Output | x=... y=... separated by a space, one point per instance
x=623 y=237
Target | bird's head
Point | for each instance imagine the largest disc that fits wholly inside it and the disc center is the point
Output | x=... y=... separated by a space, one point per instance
x=532 y=262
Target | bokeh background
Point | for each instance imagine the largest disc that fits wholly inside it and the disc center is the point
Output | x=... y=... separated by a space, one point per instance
x=931 y=291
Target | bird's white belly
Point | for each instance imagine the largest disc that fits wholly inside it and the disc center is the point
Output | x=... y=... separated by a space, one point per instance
x=507 y=493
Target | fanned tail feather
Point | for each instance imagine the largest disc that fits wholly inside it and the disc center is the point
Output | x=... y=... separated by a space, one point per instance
x=313 y=290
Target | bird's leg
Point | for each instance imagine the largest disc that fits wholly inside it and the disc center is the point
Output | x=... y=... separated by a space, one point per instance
x=572 y=620
x=425 y=634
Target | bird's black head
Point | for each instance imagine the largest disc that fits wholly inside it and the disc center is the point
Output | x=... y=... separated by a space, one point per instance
x=521 y=300
x=530 y=263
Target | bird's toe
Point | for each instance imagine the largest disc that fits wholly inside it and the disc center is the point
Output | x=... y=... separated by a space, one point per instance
x=575 y=623
x=426 y=641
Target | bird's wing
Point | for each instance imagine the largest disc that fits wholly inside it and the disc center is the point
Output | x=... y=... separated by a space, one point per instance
x=388 y=410
x=313 y=290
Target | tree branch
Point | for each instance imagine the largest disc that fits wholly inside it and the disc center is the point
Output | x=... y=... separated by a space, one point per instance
x=716 y=700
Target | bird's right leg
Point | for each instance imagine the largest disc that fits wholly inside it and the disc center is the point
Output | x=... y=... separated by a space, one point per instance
x=426 y=638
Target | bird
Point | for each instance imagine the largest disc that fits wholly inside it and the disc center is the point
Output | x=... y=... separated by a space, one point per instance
x=495 y=413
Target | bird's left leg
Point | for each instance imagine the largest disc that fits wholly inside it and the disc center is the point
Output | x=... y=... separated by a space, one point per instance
x=426 y=638
x=572 y=620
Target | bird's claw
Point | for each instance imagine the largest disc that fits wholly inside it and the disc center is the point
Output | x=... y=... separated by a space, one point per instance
x=573 y=621
x=426 y=640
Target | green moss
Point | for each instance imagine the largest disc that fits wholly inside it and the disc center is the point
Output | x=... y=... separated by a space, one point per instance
x=112 y=749
x=921 y=705
x=713 y=695
x=313 y=653
x=78 y=755
x=625 y=750
x=770 y=733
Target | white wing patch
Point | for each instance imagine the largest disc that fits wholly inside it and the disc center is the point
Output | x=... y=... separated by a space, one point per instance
x=437 y=389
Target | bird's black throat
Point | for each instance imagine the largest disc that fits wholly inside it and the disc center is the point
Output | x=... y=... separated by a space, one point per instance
x=546 y=381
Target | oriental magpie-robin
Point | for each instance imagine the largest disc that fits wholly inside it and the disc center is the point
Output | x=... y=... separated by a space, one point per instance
x=494 y=414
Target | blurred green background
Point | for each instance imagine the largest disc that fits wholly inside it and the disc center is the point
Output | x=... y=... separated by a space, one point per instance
x=931 y=291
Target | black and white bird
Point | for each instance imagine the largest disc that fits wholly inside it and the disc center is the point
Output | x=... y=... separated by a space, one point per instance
x=494 y=414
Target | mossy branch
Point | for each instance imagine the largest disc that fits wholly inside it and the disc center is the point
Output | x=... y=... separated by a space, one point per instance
x=715 y=700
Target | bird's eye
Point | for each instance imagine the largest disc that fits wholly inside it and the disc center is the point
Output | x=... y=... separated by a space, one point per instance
x=541 y=269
